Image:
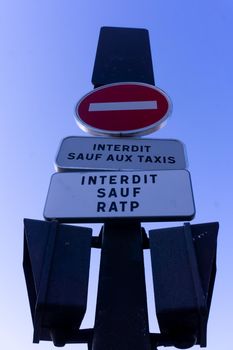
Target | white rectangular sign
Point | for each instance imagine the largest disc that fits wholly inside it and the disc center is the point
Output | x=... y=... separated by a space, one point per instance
x=95 y=153
x=100 y=196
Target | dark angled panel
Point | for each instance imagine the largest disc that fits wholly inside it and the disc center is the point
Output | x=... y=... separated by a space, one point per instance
x=184 y=265
x=56 y=266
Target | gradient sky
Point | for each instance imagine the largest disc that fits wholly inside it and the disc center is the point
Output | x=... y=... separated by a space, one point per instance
x=47 y=52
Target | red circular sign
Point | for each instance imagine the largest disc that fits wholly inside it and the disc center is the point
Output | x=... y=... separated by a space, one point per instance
x=123 y=109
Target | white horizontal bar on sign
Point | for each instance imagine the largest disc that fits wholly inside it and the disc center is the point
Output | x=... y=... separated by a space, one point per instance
x=122 y=106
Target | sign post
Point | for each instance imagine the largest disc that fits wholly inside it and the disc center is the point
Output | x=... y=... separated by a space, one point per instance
x=120 y=181
x=121 y=320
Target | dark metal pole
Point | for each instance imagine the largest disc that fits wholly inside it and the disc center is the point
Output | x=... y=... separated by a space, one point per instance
x=121 y=321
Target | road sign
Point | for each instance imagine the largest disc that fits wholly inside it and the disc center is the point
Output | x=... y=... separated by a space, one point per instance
x=123 y=109
x=100 y=196
x=95 y=153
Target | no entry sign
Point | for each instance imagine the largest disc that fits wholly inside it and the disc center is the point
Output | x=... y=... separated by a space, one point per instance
x=123 y=109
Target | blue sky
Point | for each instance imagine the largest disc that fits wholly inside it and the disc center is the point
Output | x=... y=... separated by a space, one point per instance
x=47 y=52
